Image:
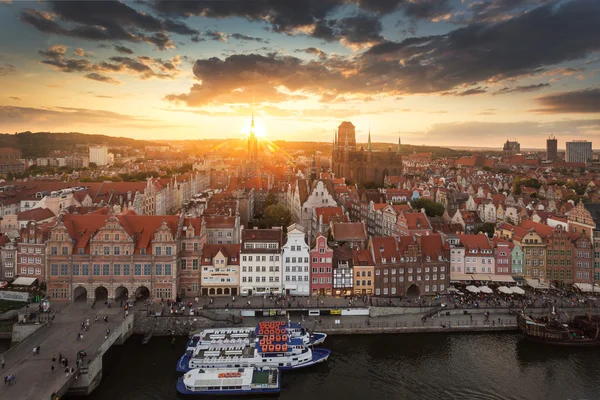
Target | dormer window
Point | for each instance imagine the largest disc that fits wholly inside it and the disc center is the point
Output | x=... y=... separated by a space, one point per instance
x=383 y=260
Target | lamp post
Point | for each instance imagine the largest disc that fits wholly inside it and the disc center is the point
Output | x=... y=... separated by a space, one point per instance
x=26 y=312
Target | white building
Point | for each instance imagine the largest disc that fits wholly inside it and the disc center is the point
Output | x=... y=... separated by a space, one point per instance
x=578 y=151
x=261 y=261
x=99 y=155
x=296 y=253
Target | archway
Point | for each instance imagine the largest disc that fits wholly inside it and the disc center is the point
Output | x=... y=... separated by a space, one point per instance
x=219 y=291
x=121 y=293
x=413 y=291
x=80 y=294
x=226 y=291
x=142 y=293
x=211 y=291
x=101 y=294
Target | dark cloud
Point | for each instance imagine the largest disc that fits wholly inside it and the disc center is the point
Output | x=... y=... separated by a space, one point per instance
x=522 y=89
x=15 y=98
x=580 y=101
x=240 y=36
x=123 y=49
x=105 y=20
x=468 y=92
x=7 y=69
x=359 y=29
x=101 y=78
x=498 y=10
x=79 y=52
x=144 y=67
x=197 y=39
x=215 y=35
x=313 y=50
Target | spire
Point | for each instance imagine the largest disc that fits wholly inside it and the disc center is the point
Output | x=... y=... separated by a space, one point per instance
x=399 y=150
x=369 y=144
x=334 y=140
x=252 y=125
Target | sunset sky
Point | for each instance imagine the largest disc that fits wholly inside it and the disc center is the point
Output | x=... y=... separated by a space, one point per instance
x=441 y=72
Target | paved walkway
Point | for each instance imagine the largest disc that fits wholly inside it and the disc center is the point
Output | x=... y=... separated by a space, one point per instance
x=34 y=378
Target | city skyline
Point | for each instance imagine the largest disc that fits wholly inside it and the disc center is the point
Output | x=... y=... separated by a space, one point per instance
x=448 y=73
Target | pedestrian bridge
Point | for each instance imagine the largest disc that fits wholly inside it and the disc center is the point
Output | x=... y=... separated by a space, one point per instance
x=34 y=377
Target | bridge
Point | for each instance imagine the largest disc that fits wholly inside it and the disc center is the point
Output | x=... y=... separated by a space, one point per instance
x=34 y=377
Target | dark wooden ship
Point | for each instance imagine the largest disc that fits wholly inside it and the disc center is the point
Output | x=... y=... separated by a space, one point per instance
x=581 y=331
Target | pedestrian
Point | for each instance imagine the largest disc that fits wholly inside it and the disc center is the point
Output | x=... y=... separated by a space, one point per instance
x=34 y=351
x=67 y=372
x=52 y=367
x=2 y=362
x=96 y=319
x=81 y=336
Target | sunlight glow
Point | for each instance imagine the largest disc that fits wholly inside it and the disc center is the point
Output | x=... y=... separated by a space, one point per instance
x=259 y=129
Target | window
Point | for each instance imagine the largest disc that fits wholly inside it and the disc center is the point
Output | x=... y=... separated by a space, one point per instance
x=54 y=269
x=195 y=264
x=105 y=269
x=85 y=269
x=65 y=250
x=147 y=269
x=168 y=250
x=106 y=250
x=54 y=250
x=75 y=268
x=117 y=269
x=116 y=250
x=64 y=269
x=158 y=250
x=137 y=269
x=158 y=268
x=96 y=269
x=126 y=269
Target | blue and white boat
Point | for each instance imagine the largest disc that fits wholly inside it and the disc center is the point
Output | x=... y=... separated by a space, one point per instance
x=290 y=354
x=230 y=381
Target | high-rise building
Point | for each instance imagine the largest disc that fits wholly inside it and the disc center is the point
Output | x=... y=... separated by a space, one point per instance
x=578 y=151
x=99 y=155
x=551 y=148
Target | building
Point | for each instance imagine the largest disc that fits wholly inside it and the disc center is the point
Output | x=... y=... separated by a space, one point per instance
x=11 y=165
x=222 y=229
x=31 y=251
x=343 y=271
x=358 y=165
x=261 y=261
x=364 y=273
x=98 y=155
x=511 y=147
x=321 y=275
x=220 y=270
x=578 y=151
x=9 y=153
x=296 y=263
x=118 y=257
x=551 y=148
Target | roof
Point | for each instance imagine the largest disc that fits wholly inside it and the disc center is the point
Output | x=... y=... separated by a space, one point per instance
x=23 y=281
x=346 y=124
x=262 y=235
x=417 y=221
x=228 y=250
x=35 y=214
x=347 y=231
x=475 y=242
x=384 y=247
x=217 y=221
x=328 y=213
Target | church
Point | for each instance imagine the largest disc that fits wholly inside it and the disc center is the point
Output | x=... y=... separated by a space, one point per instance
x=360 y=166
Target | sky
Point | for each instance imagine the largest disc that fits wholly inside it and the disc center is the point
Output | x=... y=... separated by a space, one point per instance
x=434 y=72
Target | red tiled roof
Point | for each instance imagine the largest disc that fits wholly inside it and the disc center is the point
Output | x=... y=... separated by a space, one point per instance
x=228 y=250
x=345 y=231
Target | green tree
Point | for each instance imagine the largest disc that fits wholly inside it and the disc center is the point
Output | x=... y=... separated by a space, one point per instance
x=432 y=209
x=488 y=228
x=271 y=199
x=276 y=215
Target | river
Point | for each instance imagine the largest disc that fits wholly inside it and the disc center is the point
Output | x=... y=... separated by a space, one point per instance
x=419 y=366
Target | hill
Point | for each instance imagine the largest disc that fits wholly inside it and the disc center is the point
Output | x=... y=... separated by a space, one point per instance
x=41 y=144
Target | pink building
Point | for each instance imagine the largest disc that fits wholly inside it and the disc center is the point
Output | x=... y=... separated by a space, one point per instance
x=321 y=275
x=502 y=252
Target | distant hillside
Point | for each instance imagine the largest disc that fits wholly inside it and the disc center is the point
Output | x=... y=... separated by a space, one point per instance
x=40 y=144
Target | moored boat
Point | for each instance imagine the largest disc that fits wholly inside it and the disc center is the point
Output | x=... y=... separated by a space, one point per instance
x=230 y=381
x=581 y=331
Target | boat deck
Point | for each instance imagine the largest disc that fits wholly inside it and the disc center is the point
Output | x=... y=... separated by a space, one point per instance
x=233 y=351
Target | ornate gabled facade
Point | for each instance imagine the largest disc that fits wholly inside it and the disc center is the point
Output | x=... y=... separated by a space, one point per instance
x=362 y=166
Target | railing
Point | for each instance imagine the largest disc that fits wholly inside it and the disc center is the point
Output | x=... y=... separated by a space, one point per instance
x=511 y=322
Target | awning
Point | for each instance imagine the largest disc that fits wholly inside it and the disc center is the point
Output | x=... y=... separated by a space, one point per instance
x=473 y=289
x=517 y=290
x=537 y=284
x=485 y=289
x=502 y=278
x=22 y=281
x=505 y=290
x=481 y=277
x=587 y=287
x=454 y=277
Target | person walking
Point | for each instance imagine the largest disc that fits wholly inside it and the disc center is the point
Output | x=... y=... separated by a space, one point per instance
x=2 y=362
x=52 y=367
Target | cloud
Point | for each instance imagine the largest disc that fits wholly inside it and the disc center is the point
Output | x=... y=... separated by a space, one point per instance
x=580 y=101
x=7 y=69
x=522 y=89
x=102 y=78
x=104 y=20
x=359 y=30
x=15 y=98
x=123 y=49
x=468 y=92
x=79 y=52
x=144 y=67
x=241 y=36
x=313 y=50
x=499 y=10
x=215 y=35
x=473 y=55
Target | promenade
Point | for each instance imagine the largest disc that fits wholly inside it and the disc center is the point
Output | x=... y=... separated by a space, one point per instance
x=34 y=377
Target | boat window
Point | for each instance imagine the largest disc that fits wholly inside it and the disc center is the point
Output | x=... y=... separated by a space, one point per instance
x=281 y=364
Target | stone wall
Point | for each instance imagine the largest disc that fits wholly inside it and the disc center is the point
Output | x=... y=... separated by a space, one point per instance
x=23 y=331
x=387 y=311
x=180 y=324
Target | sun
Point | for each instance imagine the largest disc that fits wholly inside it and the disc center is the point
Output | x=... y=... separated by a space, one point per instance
x=259 y=129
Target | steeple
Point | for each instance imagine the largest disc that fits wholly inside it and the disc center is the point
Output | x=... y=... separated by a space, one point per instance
x=399 y=150
x=369 y=144
x=335 y=144
x=252 y=124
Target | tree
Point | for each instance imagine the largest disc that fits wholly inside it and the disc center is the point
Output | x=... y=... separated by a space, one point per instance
x=276 y=215
x=93 y=165
x=271 y=199
x=432 y=209
x=488 y=228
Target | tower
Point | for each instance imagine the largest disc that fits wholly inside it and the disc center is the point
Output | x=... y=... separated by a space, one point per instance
x=551 y=148
x=399 y=149
x=252 y=143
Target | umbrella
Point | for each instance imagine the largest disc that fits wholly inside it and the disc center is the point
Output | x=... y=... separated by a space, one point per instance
x=505 y=290
x=485 y=289
x=472 y=289
x=517 y=290
x=452 y=289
